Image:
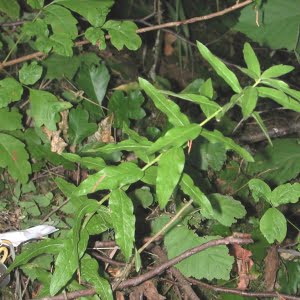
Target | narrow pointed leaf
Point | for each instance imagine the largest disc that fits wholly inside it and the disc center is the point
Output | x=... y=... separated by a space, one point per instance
x=261 y=124
x=248 y=101
x=277 y=71
x=171 y=162
x=251 y=60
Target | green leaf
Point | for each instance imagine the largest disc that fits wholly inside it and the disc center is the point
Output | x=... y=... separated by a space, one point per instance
x=273 y=225
x=168 y=107
x=259 y=189
x=142 y=196
x=96 y=35
x=282 y=161
x=62 y=44
x=61 y=21
x=278 y=23
x=276 y=71
x=11 y=8
x=36 y=4
x=33 y=250
x=217 y=137
x=206 y=89
x=90 y=274
x=220 y=68
x=288 y=277
x=123 y=33
x=260 y=122
x=125 y=108
x=10 y=91
x=100 y=221
x=93 y=10
x=226 y=210
x=30 y=74
x=285 y=193
x=188 y=187
x=248 y=101
x=45 y=108
x=251 y=60
x=171 y=162
x=150 y=176
x=79 y=126
x=10 y=120
x=212 y=263
x=91 y=163
x=175 y=137
x=110 y=178
x=248 y=72
x=123 y=220
x=14 y=156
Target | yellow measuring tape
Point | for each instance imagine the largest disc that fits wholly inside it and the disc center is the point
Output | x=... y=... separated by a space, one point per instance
x=6 y=249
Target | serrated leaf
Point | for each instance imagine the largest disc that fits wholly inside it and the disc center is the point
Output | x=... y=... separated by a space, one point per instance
x=249 y=101
x=10 y=120
x=33 y=250
x=273 y=225
x=188 y=187
x=220 y=68
x=91 y=163
x=61 y=21
x=110 y=178
x=30 y=74
x=90 y=274
x=126 y=108
x=282 y=161
x=10 y=91
x=62 y=44
x=251 y=60
x=123 y=33
x=226 y=210
x=217 y=137
x=259 y=189
x=277 y=71
x=285 y=193
x=93 y=10
x=175 y=137
x=123 y=220
x=14 y=156
x=79 y=125
x=45 y=108
x=168 y=107
x=11 y=8
x=96 y=35
x=212 y=263
x=171 y=162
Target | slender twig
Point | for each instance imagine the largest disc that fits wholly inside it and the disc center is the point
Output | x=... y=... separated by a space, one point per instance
x=107 y=259
x=242 y=293
x=141 y=30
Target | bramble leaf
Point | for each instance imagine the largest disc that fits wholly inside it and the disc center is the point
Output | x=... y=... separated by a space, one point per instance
x=10 y=91
x=10 y=120
x=30 y=74
x=259 y=189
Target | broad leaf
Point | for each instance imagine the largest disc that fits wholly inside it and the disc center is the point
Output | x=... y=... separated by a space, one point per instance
x=277 y=71
x=96 y=35
x=123 y=33
x=123 y=220
x=171 y=162
x=212 y=263
x=284 y=194
x=221 y=69
x=110 y=178
x=165 y=105
x=251 y=60
x=90 y=274
x=248 y=101
x=36 y=4
x=10 y=120
x=30 y=74
x=259 y=189
x=175 y=137
x=273 y=225
x=11 y=8
x=79 y=126
x=226 y=210
x=14 y=156
x=45 y=108
x=62 y=44
x=217 y=137
x=10 y=91
x=188 y=187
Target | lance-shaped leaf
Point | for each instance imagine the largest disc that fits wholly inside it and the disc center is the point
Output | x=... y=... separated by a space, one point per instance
x=169 y=170
x=176 y=137
x=14 y=156
x=165 y=105
x=248 y=101
x=90 y=274
x=251 y=60
x=221 y=69
x=277 y=71
x=123 y=220
x=255 y=115
x=188 y=187
x=91 y=163
x=217 y=137
x=110 y=178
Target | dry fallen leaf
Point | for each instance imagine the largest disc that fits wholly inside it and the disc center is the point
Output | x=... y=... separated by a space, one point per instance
x=103 y=134
x=271 y=268
x=169 y=39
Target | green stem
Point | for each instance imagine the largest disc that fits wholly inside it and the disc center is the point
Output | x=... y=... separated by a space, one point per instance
x=156 y=159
